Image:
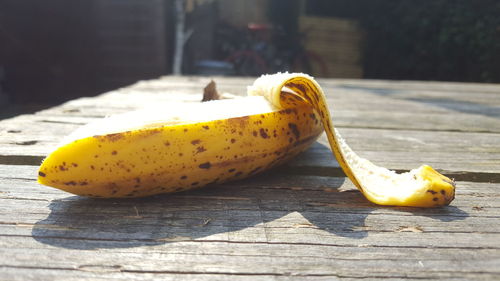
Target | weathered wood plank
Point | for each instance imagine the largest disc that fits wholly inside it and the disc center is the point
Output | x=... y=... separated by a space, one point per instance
x=238 y=83
x=351 y=109
x=395 y=157
x=108 y=274
x=264 y=249
x=103 y=272
x=419 y=86
x=22 y=183
x=272 y=264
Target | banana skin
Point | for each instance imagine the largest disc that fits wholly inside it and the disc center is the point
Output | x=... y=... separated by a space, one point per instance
x=174 y=158
x=421 y=187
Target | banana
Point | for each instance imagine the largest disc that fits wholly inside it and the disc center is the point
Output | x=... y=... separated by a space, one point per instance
x=193 y=145
x=181 y=147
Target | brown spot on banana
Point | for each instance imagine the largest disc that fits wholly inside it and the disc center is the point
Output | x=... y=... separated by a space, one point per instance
x=205 y=165
x=263 y=133
x=200 y=149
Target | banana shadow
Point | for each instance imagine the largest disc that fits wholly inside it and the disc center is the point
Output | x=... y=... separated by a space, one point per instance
x=263 y=208
x=264 y=205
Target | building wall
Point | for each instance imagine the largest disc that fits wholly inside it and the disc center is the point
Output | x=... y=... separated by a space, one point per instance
x=54 y=50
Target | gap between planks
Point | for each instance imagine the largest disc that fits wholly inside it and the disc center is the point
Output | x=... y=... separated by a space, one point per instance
x=309 y=170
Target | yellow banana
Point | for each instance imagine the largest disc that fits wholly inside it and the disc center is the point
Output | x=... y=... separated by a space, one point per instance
x=149 y=153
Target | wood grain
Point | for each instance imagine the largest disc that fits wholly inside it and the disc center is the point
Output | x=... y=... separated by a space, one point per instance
x=301 y=221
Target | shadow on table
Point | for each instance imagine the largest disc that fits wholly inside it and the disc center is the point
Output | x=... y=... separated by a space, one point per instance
x=265 y=208
x=83 y=223
x=254 y=206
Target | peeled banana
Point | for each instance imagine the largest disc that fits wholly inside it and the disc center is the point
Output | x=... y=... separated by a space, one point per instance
x=184 y=146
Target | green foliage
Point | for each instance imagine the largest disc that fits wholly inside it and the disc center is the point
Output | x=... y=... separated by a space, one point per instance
x=454 y=40
x=431 y=39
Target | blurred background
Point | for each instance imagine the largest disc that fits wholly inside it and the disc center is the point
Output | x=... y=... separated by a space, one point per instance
x=55 y=50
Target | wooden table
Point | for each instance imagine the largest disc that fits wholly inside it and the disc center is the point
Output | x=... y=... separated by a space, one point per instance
x=304 y=221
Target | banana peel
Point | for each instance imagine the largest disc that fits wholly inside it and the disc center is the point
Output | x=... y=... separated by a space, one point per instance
x=193 y=145
x=179 y=147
